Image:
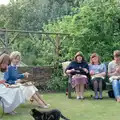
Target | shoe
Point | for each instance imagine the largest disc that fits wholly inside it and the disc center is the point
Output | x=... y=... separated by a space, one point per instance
x=96 y=97
x=45 y=106
x=100 y=97
x=12 y=113
x=82 y=98
x=48 y=105
x=78 y=97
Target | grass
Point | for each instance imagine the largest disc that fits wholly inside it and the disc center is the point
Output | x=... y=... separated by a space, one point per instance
x=88 y=109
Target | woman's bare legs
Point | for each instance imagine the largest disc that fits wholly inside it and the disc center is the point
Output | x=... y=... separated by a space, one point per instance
x=41 y=98
x=81 y=90
x=39 y=101
x=77 y=91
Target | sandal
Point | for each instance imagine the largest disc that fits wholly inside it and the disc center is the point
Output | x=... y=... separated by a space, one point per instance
x=45 y=106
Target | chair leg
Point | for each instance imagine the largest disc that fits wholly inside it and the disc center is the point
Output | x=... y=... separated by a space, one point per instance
x=69 y=90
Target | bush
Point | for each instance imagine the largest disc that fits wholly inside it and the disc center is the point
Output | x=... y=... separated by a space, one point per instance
x=58 y=82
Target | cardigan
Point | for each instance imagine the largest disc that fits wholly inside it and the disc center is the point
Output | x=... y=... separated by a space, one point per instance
x=11 y=75
x=75 y=65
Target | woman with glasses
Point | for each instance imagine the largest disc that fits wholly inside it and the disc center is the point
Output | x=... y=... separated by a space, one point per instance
x=97 y=72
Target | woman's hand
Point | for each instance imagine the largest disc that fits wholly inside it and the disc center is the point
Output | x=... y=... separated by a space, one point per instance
x=70 y=71
x=18 y=81
x=118 y=70
x=92 y=72
x=26 y=74
x=6 y=84
x=2 y=81
x=85 y=70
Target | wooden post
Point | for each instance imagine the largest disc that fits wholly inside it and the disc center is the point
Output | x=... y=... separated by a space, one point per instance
x=57 y=50
x=6 y=42
x=69 y=86
x=69 y=90
x=3 y=41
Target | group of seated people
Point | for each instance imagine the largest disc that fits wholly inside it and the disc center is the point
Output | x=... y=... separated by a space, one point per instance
x=12 y=92
x=81 y=71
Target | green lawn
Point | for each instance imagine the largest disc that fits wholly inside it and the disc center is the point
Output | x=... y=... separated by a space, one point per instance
x=88 y=109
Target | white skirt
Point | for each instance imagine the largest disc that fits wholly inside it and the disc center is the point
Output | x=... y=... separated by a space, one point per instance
x=28 y=90
x=11 y=98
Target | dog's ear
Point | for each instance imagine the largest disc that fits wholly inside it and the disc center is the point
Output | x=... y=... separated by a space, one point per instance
x=34 y=110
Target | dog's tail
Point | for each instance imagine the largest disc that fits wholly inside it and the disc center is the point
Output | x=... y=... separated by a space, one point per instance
x=64 y=117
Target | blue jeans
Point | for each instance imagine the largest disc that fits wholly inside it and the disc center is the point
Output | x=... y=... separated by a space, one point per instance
x=116 y=88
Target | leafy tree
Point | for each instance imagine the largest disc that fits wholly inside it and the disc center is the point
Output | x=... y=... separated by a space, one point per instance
x=94 y=28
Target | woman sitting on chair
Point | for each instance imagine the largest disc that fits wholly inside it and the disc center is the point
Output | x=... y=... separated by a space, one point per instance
x=97 y=72
x=13 y=77
x=114 y=74
x=79 y=70
x=10 y=97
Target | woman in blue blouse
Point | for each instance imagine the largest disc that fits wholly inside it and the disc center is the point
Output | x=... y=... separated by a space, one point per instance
x=97 y=72
x=11 y=97
x=13 y=77
x=79 y=70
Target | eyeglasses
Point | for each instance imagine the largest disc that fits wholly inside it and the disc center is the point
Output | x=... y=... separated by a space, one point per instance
x=93 y=56
x=117 y=56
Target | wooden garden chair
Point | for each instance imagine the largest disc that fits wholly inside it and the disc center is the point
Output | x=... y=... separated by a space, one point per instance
x=64 y=65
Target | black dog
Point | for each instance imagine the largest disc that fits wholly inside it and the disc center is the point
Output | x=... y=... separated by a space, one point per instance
x=47 y=115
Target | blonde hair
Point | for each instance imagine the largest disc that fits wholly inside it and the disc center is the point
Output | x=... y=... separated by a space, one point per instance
x=14 y=55
x=94 y=55
x=116 y=53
